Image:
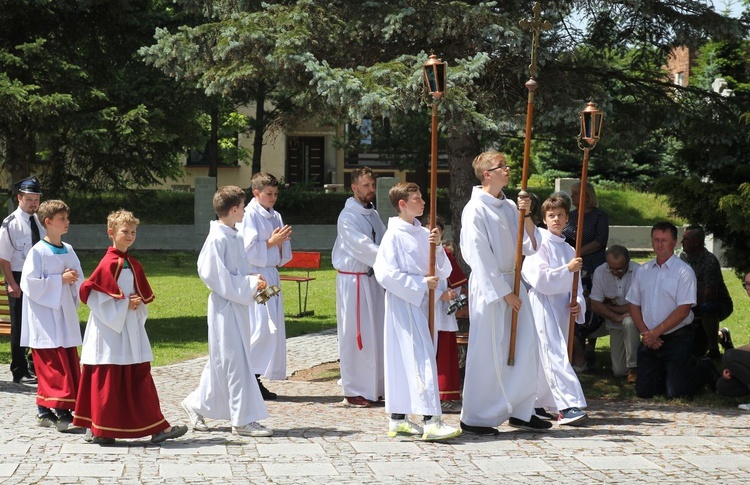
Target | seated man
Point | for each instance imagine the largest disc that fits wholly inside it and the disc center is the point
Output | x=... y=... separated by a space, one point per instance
x=713 y=301
x=661 y=297
x=610 y=284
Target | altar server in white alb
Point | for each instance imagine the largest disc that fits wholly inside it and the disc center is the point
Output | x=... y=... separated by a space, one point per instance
x=50 y=280
x=402 y=266
x=494 y=391
x=359 y=297
x=267 y=246
x=228 y=388
x=550 y=273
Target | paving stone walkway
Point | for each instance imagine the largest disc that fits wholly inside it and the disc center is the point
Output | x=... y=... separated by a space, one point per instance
x=318 y=440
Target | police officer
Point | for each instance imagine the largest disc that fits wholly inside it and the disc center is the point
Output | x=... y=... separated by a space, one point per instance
x=19 y=232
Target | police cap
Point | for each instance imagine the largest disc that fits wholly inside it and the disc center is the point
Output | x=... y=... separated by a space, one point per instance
x=29 y=185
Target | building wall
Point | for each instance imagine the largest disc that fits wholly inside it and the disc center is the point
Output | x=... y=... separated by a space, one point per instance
x=678 y=64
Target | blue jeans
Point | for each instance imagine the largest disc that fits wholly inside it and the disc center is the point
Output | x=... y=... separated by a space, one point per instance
x=671 y=369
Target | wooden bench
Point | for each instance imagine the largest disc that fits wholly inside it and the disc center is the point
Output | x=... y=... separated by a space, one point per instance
x=4 y=310
x=308 y=260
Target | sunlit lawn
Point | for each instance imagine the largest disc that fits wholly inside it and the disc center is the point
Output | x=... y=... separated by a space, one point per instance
x=177 y=317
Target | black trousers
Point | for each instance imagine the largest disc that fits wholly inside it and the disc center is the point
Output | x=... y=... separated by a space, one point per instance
x=19 y=366
x=738 y=363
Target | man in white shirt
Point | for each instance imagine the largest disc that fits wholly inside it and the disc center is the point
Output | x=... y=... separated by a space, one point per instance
x=661 y=297
x=19 y=232
x=611 y=282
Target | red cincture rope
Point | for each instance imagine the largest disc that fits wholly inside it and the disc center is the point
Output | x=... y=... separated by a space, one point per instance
x=359 y=328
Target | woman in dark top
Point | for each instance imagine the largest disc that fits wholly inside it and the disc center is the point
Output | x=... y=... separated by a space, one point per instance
x=593 y=252
x=595 y=232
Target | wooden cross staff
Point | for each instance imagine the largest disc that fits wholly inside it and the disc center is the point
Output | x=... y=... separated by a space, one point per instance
x=535 y=25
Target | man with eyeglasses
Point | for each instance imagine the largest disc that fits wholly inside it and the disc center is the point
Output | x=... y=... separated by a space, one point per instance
x=610 y=283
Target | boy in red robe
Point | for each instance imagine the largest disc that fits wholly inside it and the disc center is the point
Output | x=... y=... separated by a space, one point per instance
x=117 y=397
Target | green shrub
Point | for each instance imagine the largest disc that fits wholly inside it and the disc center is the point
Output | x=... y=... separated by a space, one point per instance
x=150 y=206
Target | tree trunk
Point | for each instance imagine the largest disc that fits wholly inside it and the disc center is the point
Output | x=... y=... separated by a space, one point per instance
x=462 y=148
x=213 y=142
x=259 y=127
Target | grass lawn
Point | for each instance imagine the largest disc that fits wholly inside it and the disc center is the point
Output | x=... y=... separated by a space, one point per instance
x=177 y=317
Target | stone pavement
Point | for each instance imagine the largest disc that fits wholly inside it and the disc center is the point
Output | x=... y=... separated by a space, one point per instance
x=317 y=440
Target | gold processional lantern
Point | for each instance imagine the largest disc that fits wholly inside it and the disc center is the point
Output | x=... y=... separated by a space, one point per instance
x=591 y=125
x=591 y=131
x=434 y=76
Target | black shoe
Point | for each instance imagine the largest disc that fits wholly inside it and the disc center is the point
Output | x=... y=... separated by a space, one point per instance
x=267 y=395
x=27 y=379
x=534 y=424
x=479 y=430
x=725 y=339
x=541 y=413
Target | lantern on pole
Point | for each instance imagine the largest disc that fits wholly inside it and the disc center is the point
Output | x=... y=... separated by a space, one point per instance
x=591 y=130
x=434 y=71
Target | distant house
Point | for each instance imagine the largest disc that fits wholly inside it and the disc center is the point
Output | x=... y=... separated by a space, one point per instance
x=679 y=62
x=308 y=154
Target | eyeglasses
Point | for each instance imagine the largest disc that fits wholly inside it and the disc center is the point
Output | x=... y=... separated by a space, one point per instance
x=746 y=284
x=617 y=271
x=504 y=167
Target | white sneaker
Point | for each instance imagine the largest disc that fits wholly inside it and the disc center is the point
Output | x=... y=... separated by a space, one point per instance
x=435 y=429
x=744 y=407
x=403 y=427
x=252 y=429
x=195 y=419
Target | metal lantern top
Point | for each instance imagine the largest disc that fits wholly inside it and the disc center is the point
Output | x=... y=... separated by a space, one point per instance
x=434 y=76
x=591 y=124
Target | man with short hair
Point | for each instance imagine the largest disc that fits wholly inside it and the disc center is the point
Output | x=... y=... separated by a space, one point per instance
x=713 y=301
x=359 y=297
x=19 y=232
x=611 y=282
x=661 y=297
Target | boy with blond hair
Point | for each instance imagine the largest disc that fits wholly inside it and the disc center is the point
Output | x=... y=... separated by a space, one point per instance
x=401 y=267
x=228 y=388
x=117 y=397
x=267 y=246
x=493 y=390
x=50 y=280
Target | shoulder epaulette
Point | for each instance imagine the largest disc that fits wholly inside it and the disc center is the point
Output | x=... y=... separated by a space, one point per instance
x=8 y=220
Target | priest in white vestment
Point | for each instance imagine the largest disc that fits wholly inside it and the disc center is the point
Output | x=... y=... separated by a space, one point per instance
x=359 y=297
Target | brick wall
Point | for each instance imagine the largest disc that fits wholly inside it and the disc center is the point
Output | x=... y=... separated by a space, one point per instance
x=678 y=64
